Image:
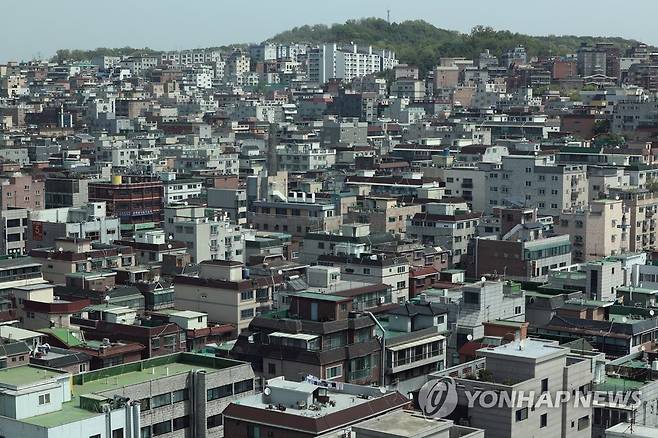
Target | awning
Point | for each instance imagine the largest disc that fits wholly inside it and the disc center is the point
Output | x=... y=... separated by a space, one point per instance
x=417 y=343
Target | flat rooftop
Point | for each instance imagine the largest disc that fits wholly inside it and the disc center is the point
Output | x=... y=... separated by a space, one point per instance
x=347 y=397
x=530 y=349
x=121 y=376
x=26 y=375
x=403 y=424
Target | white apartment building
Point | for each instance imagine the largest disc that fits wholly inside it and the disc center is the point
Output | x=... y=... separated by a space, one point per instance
x=536 y=181
x=208 y=233
x=332 y=61
x=178 y=190
x=304 y=157
x=191 y=57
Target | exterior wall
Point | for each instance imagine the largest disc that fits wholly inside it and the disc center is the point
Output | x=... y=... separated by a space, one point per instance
x=595 y=233
x=23 y=192
x=13 y=227
x=221 y=305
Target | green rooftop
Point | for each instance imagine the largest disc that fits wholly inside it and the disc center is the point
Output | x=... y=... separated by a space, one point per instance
x=67 y=336
x=121 y=376
x=613 y=384
x=25 y=375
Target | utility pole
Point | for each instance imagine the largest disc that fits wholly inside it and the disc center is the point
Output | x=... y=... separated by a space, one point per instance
x=388 y=16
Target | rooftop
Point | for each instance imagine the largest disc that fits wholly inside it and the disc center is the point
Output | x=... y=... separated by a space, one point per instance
x=529 y=348
x=26 y=375
x=120 y=377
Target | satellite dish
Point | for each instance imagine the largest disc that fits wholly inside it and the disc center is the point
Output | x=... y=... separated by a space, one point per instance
x=382 y=390
x=624 y=319
x=107 y=298
x=279 y=272
x=469 y=337
x=267 y=391
x=61 y=249
x=483 y=279
x=169 y=246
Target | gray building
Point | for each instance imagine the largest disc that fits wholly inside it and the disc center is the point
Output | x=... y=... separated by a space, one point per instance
x=66 y=192
x=13 y=224
x=179 y=395
x=88 y=221
x=528 y=365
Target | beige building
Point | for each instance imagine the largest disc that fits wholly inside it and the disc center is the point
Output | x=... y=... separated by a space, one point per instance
x=639 y=219
x=384 y=214
x=595 y=232
x=224 y=291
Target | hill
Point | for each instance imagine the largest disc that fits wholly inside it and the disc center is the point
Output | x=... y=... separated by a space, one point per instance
x=420 y=43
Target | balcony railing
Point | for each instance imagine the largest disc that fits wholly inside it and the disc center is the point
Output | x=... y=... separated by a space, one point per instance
x=417 y=358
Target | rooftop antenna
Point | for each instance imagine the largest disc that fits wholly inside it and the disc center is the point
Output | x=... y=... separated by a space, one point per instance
x=388 y=16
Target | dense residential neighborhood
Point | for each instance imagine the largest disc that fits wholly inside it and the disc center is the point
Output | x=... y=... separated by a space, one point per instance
x=324 y=239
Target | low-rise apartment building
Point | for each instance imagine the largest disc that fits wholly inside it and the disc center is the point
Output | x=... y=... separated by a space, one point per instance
x=89 y=221
x=374 y=268
x=597 y=231
x=225 y=292
x=179 y=395
x=449 y=226
x=528 y=365
x=295 y=216
x=208 y=233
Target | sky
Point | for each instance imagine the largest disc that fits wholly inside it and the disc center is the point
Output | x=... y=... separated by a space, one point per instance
x=37 y=28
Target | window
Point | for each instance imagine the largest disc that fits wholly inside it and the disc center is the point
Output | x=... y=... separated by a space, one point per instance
x=145 y=404
x=162 y=428
x=247 y=295
x=246 y=313
x=44 y=399
x=220 y=392
x=214 y=421
x=161 y=400
x=544 y=385
x=117 y=433
x=334 y=372
x=543 y=420
x=253 y=431
x=155 y=343
x=366 y=271
x=181 y=422
x=402 y=284
x=180 y=395
x=244 y=386
x=583 y=422
x=521 y=414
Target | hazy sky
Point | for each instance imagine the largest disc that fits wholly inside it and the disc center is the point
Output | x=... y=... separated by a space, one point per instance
x=31 y=28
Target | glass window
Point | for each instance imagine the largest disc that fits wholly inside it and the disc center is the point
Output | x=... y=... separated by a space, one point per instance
x=220 y=392
x=180 y=395
x=244 y=386
x=161 y=400
x=181 y=422
x=214 y=421
x=162 y=428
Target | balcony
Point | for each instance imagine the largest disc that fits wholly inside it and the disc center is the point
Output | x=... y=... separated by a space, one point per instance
x=417 y=358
